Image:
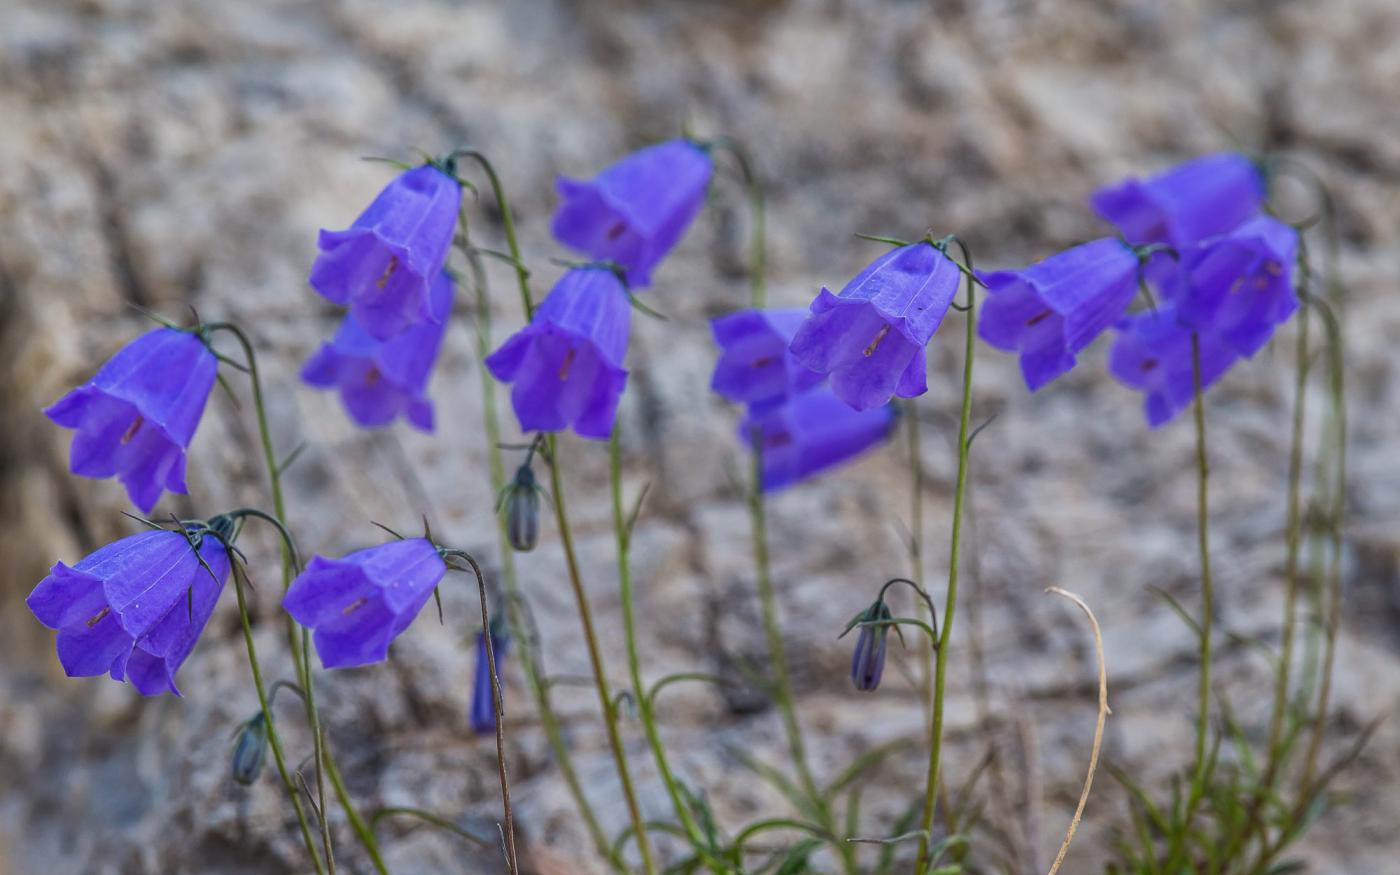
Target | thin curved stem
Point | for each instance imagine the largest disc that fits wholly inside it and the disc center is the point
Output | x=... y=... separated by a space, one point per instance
x=595 y=657
x=940 y=668
x=548 y=719
x=1292 y=539
x=758 y=246
x=644 y=701
x=498 y=704
x=522 y=276
x=1198 y=777
x=1336 y=515
x=300 y=650
x=273 y=738
x=428 y=817
x=1098 y=726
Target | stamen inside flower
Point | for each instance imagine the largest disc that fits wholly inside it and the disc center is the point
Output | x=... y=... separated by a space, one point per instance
x=764 y=361
x=1037 y=318
x=389 y=269
x=354 y=606
x=568 y=363
x=97 y=619
x=617 y=230
x=780 y=439
x=1273 y=268
x=870 y=350
x=373 y=377
x=1237 y=284
x=133 y=429
x=1149 y=365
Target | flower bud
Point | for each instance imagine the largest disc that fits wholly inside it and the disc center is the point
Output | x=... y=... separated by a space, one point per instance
x=250 y=750
x=868 y=661
x=522 y=510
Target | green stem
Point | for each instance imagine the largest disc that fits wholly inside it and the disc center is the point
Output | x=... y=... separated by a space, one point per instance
x=1291 y=536
x=940 y=669
x=300 y=654
x=548 y=719
x=758 y=245
x=1198 y=777
x=634 y=662
x=595 y=657
x=273 y=738
x=777 y=655
x=1336 y=514
x=497 y=707
x=522 y=276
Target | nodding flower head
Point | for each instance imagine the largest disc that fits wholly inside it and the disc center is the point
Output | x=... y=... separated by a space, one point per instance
x=1238 y=287
x=870 y=339
x=1152 y=353
x=635 y=211
x=381 y=380
x=483 y=713
x=249 y=750
x=755 y=366
x=1051 y=310
x=134 y=608
x=136 y=417
x=811 y=433
x=521 y=504
x=868 y=659
x=383 y=265
x=1194 y=200
x=565 y=367
x=358 y=604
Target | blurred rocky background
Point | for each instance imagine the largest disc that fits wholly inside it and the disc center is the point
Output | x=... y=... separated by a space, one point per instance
x=183 y=154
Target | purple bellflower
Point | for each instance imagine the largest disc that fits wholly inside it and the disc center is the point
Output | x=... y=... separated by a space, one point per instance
x=811 y=433
x=137 y=415
x=566 y=365
x=1152 y=353
x=635 y=211
x=1051 y=310
x=358 y=604
x=135 y=608
x=870 y=339
x=755 y=366
x=381 y=380
x=483 y=714
x=1189 y=202
x=383 y=265
x=1239 y=287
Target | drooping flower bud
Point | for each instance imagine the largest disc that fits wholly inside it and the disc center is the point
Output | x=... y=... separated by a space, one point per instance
x=250 y=750
x=868 y=661
x=483 y=713
x=522 y=510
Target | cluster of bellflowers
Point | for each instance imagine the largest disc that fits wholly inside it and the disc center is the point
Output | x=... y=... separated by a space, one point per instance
x=135 y=608
x=1216 y=266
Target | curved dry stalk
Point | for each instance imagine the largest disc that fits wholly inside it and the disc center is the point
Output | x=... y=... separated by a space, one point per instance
x=1104 y=711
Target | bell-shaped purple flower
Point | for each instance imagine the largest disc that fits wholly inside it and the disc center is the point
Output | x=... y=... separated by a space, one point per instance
x=811 y=433
x=870 y=339
x=566 y=365
x=383 y=265
x=134 y=608
x=137 y=415
x=358 y=604
x=1152 y=353
x=1051 y=310
x=1239 y=287
x=635 y=211
x=755 y=366
x=381 y=380
x=483 y=713
x=1200 y=198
